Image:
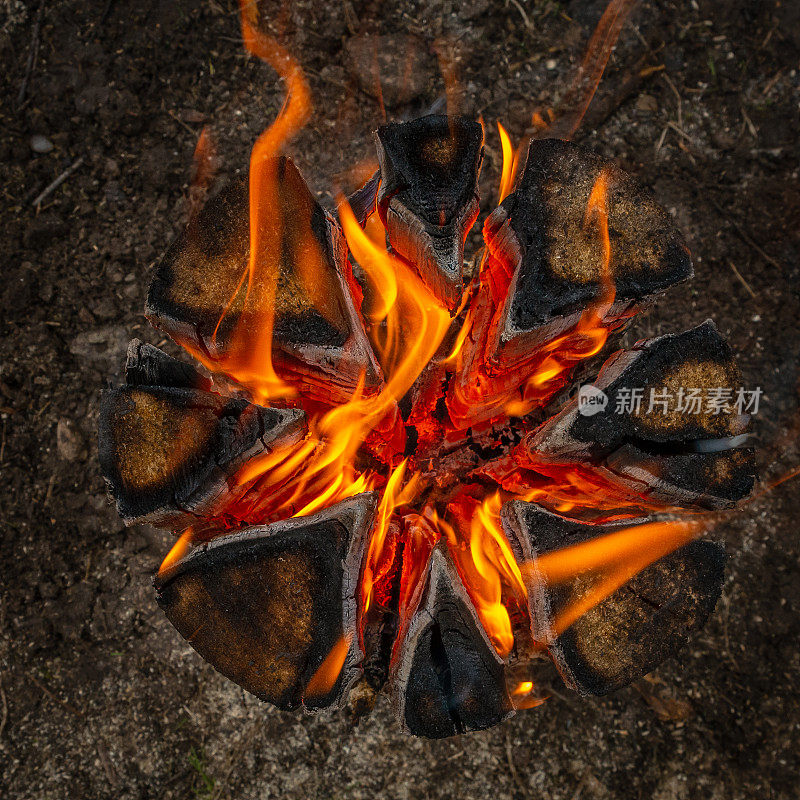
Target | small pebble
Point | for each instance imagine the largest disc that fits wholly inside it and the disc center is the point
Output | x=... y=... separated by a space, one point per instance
x=40 y=144
x=646 y=103
x=69 y=441
x=551 y=63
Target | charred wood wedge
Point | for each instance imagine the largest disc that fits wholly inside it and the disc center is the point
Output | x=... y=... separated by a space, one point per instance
x=539 y=236
x=684 y=456
x=267 y=606
x=633 y=630
x=146 y=365
x=200 y=294
x=428 y=196
x=167 y=453
x=447 y=678
x=362 y=201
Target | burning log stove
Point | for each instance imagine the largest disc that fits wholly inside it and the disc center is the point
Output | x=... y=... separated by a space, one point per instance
x=383 y=478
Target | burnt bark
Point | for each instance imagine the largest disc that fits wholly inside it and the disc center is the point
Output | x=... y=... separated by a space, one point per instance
x=265 y=606
x=631 y=631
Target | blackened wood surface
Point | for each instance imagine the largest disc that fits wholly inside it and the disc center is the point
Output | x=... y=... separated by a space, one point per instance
x=562 y=257
x=658 y=450
x=449 y=679
x=166 y=453
x=633 y=630
x=267 y=605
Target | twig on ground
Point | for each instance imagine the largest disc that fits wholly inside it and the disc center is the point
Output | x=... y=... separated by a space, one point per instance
x=679 y=131
x=105 y=760
x=512 y=768
x=182 y=123
x=49 y=492
x=50 y=188
x=350 y=17
x=677 y=95
x=4 y=716
x=744 y=282
x=54 y=697
x=660 y=142
x=771 y=82
x=525 y=18
x=749 y=123
x=32 y=54
x=743 y=235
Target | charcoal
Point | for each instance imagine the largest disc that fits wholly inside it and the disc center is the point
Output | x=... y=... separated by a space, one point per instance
x=167 y=453
x=266 y=605
x=148 y=366
x=448 y=678
x=539 y=233
x=630 y=632
x=202 y=280
x=680 y=457
x=707 y=480
x=362 y=201
x=428 y=196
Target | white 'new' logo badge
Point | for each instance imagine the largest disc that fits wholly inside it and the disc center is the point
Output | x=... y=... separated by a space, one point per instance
x=591 y=400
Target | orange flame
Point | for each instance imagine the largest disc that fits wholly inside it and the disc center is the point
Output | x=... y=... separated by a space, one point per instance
x=566 y=487
x=181 y=547
x=414 y=321
x=326 y=675
x=405 y=307
x=248 y=359
x=205 y=165
x=578 y=98
x=406 y=325
x=478 y=394
x=590 y=334
x=510 y=163
x=522 y=694
x=487 y=566
x=321 y=470
x=393 y=496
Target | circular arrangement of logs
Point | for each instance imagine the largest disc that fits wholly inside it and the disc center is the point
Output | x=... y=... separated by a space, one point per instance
x=276 y=604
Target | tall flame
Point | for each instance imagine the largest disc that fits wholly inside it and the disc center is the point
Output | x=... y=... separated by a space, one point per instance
x=248 y=358
x=563 y=124
x=178 y=550
x=321 y=470
x=413 y=321
x=393 y=496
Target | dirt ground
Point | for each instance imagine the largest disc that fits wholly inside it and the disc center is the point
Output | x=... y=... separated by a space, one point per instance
x=99 y=697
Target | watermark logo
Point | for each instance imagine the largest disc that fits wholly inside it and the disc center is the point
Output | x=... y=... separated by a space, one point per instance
x=591 y=400
x=711 y=400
